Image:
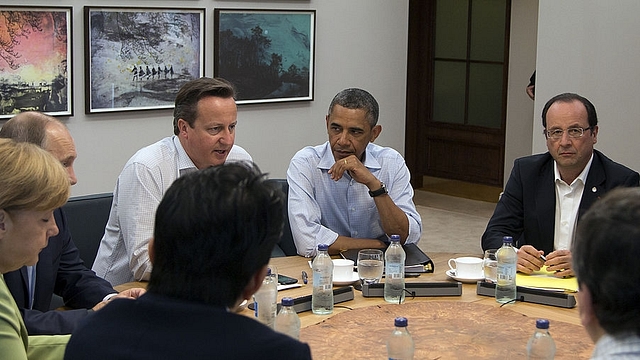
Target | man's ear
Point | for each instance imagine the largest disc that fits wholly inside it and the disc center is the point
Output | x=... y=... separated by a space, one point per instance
x=182 y=127
x=375 y=132
x=152 y=254
x=254 y=283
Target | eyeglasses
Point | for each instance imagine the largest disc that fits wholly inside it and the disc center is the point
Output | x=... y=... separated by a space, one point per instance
x=574 y=133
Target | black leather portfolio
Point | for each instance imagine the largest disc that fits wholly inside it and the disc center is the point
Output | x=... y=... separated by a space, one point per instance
x=417 y=261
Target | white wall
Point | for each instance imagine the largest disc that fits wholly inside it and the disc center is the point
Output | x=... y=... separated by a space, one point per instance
x=522 y=62
x=592 y=47
x=359 y=43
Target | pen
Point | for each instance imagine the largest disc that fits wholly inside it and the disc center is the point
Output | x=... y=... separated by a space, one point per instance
x=305 y=277
x=543 y=258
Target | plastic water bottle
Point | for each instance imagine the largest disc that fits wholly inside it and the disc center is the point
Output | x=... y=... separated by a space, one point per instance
x=394 y=258
x=506 y=279
x=400 y=344
x=265 y=300
x=322 y=296
x=287 y=321
x=541 y=345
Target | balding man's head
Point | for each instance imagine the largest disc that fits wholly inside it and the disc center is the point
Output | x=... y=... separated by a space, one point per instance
x=46 y=132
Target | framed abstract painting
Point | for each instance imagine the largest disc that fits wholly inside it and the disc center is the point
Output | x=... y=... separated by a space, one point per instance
x=138 y=58
x=267 y=54
x=35 y=60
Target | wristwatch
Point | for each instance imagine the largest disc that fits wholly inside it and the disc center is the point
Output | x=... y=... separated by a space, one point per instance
x=382 y=190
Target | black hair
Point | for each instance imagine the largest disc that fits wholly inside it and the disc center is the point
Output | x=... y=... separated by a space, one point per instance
x=214 y=229
x=592 y=117
x=605 y=259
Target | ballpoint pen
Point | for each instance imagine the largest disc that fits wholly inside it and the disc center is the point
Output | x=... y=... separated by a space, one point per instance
x=305 y=277
x=543 y=258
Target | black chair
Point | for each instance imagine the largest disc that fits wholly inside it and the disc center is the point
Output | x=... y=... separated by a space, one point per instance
x=286 y=246
x=86 y=219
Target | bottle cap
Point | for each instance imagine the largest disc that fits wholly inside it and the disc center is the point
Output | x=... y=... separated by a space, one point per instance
x=268 y=272
x=287 y=301
x=542 y=324
x=400 y=322
x=323 y=247
x=395 y=238
x=507 y=239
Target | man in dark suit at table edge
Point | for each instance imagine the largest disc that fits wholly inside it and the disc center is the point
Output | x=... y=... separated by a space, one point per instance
x=59 y=269
x=546 y=194
x=213 y=236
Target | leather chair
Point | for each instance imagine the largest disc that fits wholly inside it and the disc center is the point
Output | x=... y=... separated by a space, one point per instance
x=286 y=246
x=87 y=217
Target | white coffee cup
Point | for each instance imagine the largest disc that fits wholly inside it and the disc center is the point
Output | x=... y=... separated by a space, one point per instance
x=342 y=269
x=467 y=267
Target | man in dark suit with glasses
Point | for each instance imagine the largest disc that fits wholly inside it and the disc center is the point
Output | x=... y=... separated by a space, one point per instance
x=547 y=193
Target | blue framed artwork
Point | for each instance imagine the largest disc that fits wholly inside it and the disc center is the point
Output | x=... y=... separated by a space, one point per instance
x=267 y=54
x=138 y=58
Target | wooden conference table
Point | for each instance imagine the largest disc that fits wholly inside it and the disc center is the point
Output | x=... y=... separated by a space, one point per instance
x=449 y=327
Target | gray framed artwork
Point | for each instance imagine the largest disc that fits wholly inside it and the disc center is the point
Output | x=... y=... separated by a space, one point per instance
x=35 y=60
x=267 y=54
x=138 y=58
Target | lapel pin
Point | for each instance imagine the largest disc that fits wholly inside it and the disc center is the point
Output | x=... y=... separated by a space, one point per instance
x=593 y=189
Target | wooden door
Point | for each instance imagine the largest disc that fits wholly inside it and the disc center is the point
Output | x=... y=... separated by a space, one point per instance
x=457 y=89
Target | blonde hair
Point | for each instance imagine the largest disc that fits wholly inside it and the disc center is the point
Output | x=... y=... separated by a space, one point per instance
x=31 y=178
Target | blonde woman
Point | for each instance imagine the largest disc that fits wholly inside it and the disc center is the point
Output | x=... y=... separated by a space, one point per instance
x=32 y=184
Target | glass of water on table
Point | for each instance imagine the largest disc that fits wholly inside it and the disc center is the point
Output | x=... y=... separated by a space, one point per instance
x=370 y=265
x=490 y=265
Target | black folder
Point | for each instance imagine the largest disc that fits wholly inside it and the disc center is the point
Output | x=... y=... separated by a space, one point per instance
x=417 y=261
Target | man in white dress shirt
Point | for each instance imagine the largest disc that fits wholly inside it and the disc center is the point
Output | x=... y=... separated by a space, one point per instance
x=204 y=122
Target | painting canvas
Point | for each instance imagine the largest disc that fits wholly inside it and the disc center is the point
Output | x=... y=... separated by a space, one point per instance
x=138 y=58
x=267 y=54
x=35 y=60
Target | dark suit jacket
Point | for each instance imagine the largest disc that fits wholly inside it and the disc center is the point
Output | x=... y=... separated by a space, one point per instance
x=527 y=207
x=59 y=271
x=158 y=327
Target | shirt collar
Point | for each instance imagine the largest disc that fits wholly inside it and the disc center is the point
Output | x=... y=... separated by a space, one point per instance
x=184 y=161
x=327 y=160
x=582 y=177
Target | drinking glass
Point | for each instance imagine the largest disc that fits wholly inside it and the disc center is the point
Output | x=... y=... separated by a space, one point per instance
x=490 y=265
x=370 y=265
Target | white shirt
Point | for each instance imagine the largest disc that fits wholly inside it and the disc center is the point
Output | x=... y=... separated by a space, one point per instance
x=568 y=199
x=123 y=256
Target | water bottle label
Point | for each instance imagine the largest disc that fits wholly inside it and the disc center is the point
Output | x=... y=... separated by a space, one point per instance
x=393 y=271
x=505 y=272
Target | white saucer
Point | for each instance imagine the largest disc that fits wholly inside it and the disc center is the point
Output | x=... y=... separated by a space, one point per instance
x=452 y=274
x=343 y=282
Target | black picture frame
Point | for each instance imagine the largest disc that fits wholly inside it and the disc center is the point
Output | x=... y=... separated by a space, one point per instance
x=267 y=54
x=137 y=58
x=36 y=60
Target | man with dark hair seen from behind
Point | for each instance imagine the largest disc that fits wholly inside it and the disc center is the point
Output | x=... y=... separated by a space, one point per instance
x=605 y=260
x=213 y=236
x=204 y=124
x=59 y=269
x=546 y=194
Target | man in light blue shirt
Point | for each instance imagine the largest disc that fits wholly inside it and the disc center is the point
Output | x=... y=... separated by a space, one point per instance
x=348 y=192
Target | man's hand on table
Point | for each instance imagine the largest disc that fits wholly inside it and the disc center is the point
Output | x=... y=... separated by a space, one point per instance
x=529 y=259
x=559 y=261
x=132 y=293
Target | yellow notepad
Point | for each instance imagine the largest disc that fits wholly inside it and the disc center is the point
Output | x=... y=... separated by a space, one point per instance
x=543 y=279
